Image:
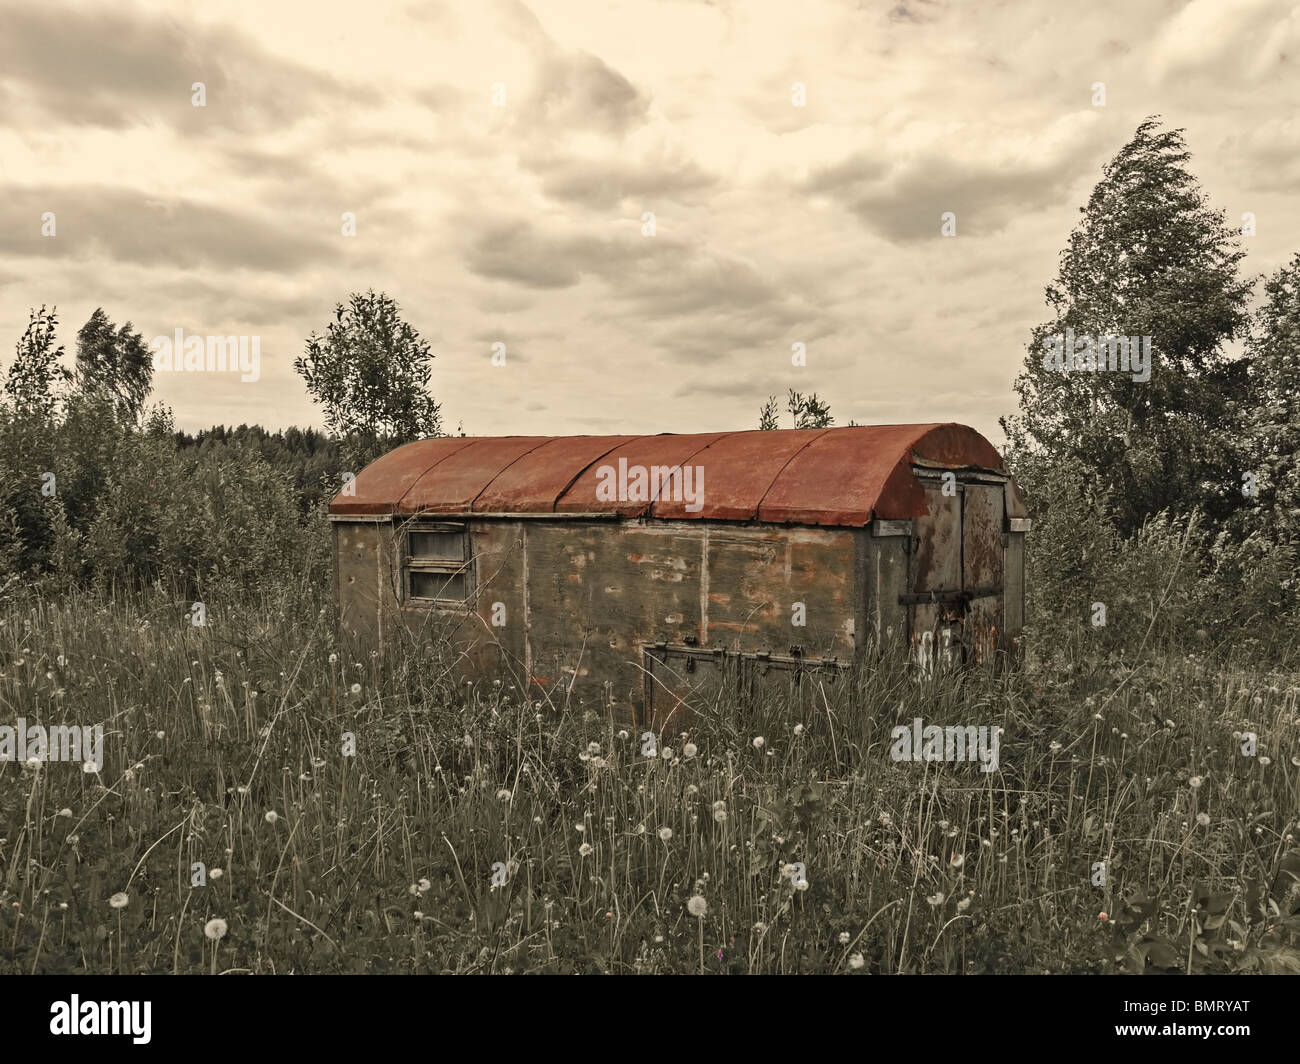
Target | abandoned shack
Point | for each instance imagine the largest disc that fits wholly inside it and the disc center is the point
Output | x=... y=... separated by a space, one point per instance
x=636 y=572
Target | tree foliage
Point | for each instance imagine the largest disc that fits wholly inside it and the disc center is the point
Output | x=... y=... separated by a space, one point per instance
x=115 y=362
x=1151 y=259
x=36 y=371
x=806 y=412
x=369 y=373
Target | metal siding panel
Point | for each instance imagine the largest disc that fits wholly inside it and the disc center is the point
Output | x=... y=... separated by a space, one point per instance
x=645 y=452
x=534 y=482
x=981 y=546
x=453 y=484
x=744 y=466
x=937 y=559
x=379 y=487
x=889 y=579
x=839 y=476
x=845 y=475
x=982 y=631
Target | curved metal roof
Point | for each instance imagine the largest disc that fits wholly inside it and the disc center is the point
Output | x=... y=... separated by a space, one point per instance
x=839 y=476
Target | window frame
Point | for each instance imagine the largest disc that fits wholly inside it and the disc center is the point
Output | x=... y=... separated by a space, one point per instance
x=411 y=564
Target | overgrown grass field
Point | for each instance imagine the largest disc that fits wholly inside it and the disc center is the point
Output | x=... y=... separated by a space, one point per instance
x=474 y=832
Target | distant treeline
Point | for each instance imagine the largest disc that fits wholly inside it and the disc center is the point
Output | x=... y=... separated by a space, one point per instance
x=312 y=460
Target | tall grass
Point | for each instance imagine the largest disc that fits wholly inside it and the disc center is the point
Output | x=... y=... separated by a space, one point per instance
x=225 y=746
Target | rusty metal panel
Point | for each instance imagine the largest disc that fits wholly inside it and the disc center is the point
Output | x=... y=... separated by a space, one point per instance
x=683 y=685
x=379 y=487
x=887 y=582
x=1014 y=501
x=935 y=626
x=982 y=634
x=982 y=561
x=843 y=476
x=600 y=593
x=453 y=484
x=738 y=469
x=687 y=684
x=936 y=562
x=796 y=688
x=644 y=452
x=981 y=535
x=597 y=593
x=756 y=575
x=534 y=482
x=955 y=447
x=838 y=476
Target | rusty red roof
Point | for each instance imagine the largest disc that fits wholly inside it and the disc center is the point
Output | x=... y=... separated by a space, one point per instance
x=840 y=476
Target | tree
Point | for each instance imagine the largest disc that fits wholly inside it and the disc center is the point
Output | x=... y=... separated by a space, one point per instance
x=115 y=362
x=36 y=369
x=1149 y=259
x=808 y=412
x=1271 y=446
x=369 y=373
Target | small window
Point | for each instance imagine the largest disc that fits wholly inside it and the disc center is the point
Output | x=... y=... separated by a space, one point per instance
x=438 y=546
x=438 y=564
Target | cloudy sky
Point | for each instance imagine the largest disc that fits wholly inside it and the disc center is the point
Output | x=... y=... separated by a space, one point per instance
x=775 y=224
